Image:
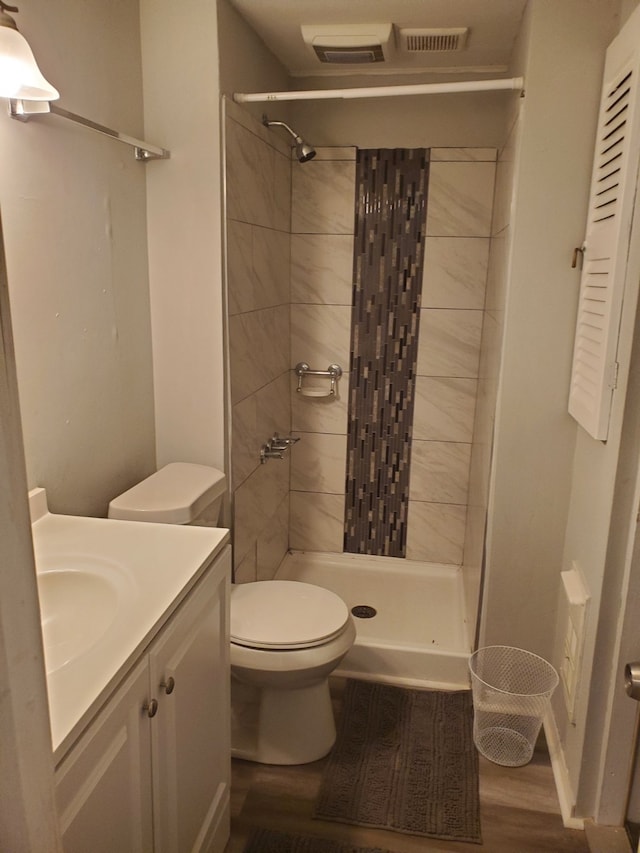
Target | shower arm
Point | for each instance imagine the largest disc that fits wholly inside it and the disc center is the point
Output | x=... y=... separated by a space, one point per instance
x=268 y=123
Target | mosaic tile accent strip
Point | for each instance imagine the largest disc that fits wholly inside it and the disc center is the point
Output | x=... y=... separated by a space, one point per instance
x=391 y=208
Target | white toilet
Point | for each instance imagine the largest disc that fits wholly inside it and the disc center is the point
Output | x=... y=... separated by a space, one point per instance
x=286 y=637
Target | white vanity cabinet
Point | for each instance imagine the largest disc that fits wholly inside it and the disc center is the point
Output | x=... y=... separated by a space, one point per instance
x=151 y=773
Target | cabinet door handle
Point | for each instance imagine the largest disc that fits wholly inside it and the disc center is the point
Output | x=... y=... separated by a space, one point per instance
x=151 y=707
x=168 y=685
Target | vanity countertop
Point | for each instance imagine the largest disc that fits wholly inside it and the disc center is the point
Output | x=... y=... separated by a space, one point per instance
x=106 y=588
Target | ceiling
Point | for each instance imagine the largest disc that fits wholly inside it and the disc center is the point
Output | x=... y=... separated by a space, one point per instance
x=493 y=26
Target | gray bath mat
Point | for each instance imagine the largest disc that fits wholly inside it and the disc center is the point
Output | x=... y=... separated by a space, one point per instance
x=404 y=760
x=268 y=841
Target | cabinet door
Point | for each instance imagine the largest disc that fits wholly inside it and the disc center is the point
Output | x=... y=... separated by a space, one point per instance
x=189 y=671
x=103 y=786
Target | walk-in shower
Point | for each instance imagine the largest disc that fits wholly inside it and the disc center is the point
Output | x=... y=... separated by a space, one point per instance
x=295 y=255
x=304 y=151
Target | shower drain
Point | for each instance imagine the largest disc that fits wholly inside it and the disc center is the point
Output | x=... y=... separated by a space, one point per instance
x=364 y=611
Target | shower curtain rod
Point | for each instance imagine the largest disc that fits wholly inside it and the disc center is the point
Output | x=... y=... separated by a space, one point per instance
x=513 y=83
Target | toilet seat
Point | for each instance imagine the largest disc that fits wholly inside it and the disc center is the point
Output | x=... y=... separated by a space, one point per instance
x=281 y=615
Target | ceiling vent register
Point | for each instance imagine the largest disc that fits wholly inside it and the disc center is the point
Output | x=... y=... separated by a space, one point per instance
x=433 y=40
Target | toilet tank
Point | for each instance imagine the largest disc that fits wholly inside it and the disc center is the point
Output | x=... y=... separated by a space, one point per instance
x=179 y=493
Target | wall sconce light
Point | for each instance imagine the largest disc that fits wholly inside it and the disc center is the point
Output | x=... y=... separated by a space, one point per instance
x=30 y=94
x=20 y=76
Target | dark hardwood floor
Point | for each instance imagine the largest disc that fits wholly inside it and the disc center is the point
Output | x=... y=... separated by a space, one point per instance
x=519 y=809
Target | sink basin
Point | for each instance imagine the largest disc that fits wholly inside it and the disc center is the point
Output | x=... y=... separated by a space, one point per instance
x=78 y=605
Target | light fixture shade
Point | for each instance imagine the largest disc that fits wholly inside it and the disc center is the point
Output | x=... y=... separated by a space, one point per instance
x=20 y=77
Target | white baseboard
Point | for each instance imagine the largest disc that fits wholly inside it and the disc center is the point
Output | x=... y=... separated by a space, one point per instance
x=561 y=775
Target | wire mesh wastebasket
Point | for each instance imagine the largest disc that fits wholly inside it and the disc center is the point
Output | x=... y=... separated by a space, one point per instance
x=511 y=690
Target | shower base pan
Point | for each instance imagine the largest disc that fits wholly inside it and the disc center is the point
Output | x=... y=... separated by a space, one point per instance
x=409 y=616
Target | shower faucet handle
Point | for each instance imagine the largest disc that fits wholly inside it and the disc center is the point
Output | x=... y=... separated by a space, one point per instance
x=283 y=442
x=267 y=451
x=276 y=446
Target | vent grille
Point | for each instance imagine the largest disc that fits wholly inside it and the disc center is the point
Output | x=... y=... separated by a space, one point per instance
x=433 y=41
x=349 y=55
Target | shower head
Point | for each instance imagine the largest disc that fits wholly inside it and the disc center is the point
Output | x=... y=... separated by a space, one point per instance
x=304 y=151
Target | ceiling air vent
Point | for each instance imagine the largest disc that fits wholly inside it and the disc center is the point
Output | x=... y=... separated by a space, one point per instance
x=434 y=40
x=349 y=55
x=349 y=44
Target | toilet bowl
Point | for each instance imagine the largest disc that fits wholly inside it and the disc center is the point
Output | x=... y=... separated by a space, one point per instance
x=286 y=636
x=286 y=639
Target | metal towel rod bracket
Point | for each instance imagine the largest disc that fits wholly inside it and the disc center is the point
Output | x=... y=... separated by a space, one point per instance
x=143 y=151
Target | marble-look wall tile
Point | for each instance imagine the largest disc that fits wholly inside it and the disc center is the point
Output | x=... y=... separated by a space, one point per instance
x=444 y=409
x=270 y=253
x=244 y=438
x=317 y=522
x=455 y=272
x=480 y=463
x=282 y=194
x=243 y=117
x=462 y=154
x=322 y=197
x=255 y=502
x=249 y=165
x=258 y=262
x=436 y=532
x=498 y=273
x=239 y=259
x=449 y=342
x=320 y=414
x=336 y=153
x=490 y=356
x=273 y=542
x=273 y=403
x=460 y=199
x=254 y=421
x=320 y=335
x=258 y=255
x=322 y=268
x=318 y=463
x=505 y=179
x=258 y=180
x=246 y=570
x=439 y=471
x=258 y=349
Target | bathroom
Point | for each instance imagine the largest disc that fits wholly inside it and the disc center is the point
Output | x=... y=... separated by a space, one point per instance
x=115 y=280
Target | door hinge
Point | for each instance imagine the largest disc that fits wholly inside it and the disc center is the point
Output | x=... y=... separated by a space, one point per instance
x=613 y=375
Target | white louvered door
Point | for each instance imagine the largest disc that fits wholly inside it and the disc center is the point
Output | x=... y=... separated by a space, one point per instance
x=595 y=365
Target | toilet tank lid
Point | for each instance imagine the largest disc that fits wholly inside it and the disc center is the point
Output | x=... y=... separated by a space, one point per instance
x=176 y=494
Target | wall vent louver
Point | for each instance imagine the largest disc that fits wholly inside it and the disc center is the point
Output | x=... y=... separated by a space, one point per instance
x=433 y=40
x=606 y=243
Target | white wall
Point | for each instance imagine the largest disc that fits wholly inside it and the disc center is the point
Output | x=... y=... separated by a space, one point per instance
x=73 y=205
x=534 y=438
x=181 y=109
x=595 y=543
x=26 y=781
x=438 y=121
x=247 y=65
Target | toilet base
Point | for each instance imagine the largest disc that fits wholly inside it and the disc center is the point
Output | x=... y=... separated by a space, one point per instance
x=276 y=726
